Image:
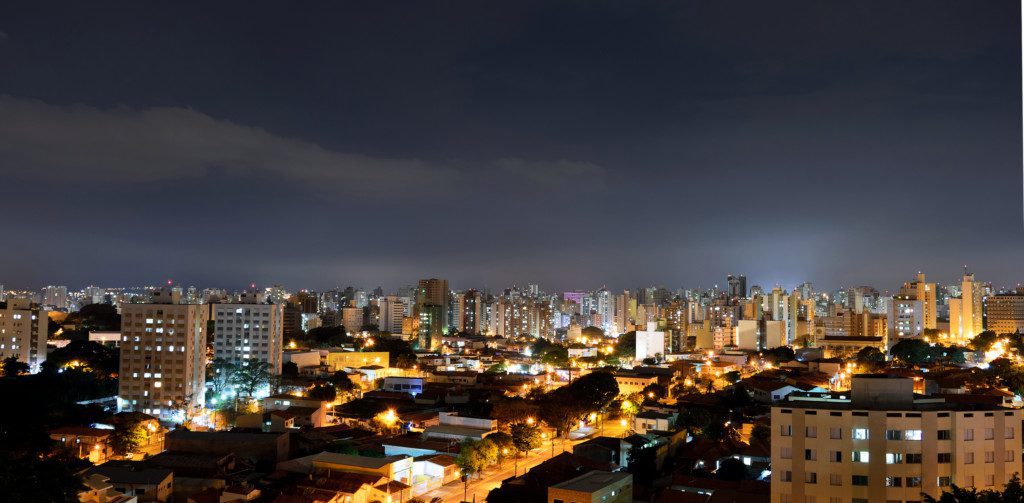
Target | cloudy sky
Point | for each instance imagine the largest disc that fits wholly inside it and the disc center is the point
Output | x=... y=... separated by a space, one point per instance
x=572 y=144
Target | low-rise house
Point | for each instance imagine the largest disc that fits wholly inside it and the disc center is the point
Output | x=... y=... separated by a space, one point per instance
x=137 y=479
x=86 y=442
x=454 y=377
x=654 y=420
x=411 y=385
x=306 y=411
x=455 y=427
x=256 y=447
x=596 y=486
x=98 y=489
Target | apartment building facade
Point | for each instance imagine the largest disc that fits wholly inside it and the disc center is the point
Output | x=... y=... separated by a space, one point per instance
x=163 y=355
x=881 y=443
x=23 y=332
x=250 y=330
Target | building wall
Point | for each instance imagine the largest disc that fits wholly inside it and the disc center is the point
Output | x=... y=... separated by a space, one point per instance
x=338 y=360
x=1004 y=314
x=811 y=432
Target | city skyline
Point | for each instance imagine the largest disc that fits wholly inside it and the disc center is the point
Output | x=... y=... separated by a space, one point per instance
x=550 y=143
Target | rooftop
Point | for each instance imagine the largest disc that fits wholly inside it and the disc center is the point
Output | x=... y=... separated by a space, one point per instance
x=593 y=481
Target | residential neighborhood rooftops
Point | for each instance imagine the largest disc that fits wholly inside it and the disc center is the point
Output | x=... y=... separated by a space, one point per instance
x=592 y=481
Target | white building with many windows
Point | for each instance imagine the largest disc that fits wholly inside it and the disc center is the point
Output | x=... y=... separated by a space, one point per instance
x=249 y=331
x=881 y=443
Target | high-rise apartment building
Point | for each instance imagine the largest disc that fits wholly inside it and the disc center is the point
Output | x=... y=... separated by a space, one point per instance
x=392 y=309
x=737 y=286
x=906 y=318
x=924 y=292
x=23 y=332
x=163 y=355
x=56 y=297
x=250 y=330
x=352 y=318
x=432 y=312
x=471 y=312
x=880 y=442
x=965 y=313
x=1004 y=313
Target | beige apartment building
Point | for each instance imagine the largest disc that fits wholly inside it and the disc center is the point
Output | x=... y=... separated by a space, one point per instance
x=163 y=355
x=250 y=330
x=881 y=443
x=23 y=332
x=1004 y=313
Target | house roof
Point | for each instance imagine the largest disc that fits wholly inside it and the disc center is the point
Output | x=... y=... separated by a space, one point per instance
x=81 y=431
x=131 y=473
x=335 y=458
x=593 y=481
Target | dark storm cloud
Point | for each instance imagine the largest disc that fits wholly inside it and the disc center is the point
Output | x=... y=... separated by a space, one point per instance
x=572 y=144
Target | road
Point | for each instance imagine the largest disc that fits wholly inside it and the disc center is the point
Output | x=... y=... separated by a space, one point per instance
x=493 y=476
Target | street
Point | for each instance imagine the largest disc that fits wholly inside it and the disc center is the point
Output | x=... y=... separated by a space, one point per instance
x=493 y=476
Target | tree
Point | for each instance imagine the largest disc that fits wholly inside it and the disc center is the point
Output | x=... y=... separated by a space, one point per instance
x=13 y=367
x=984 y=340
x=1008 y=373
x=497 y=368
x=732 y=469
x=127 y=436
x=732 y=377
x=761 y=431
x=219 y=374
x=399 y=351
x=341 y=381
x=912 y=351
x=513 y=410
x=654 y=392
x=502 y=442
x=85 y=355
x=328 y=336
x=870 y=356
x=594 y=390
x=625 y=347
x=250 y=377
x=324 y=392
x=525 y=437
x=290 y=369
x=779 y=355
x=556 y=356
x=52 y=478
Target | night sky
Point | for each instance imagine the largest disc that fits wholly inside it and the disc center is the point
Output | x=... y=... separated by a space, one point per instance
x=570 y=144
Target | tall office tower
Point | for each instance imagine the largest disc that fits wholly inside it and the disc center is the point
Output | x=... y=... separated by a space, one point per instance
x=250 y=330
x=352 y=318
x=1004 y=313
x=163 y=355
x=533 y=290
x=471 y=312
x=56 y=297
x=880 y=442
x=737 y=286
x=3 y=293
x=924 y=292
x=392 y=310
x=23 y=332
x=965 y=313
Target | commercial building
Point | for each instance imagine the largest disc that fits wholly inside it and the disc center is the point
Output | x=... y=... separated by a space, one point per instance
x=340 y=359
x=250 y=330
x=163 y=355
x=23 y=332
x=880 y=442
